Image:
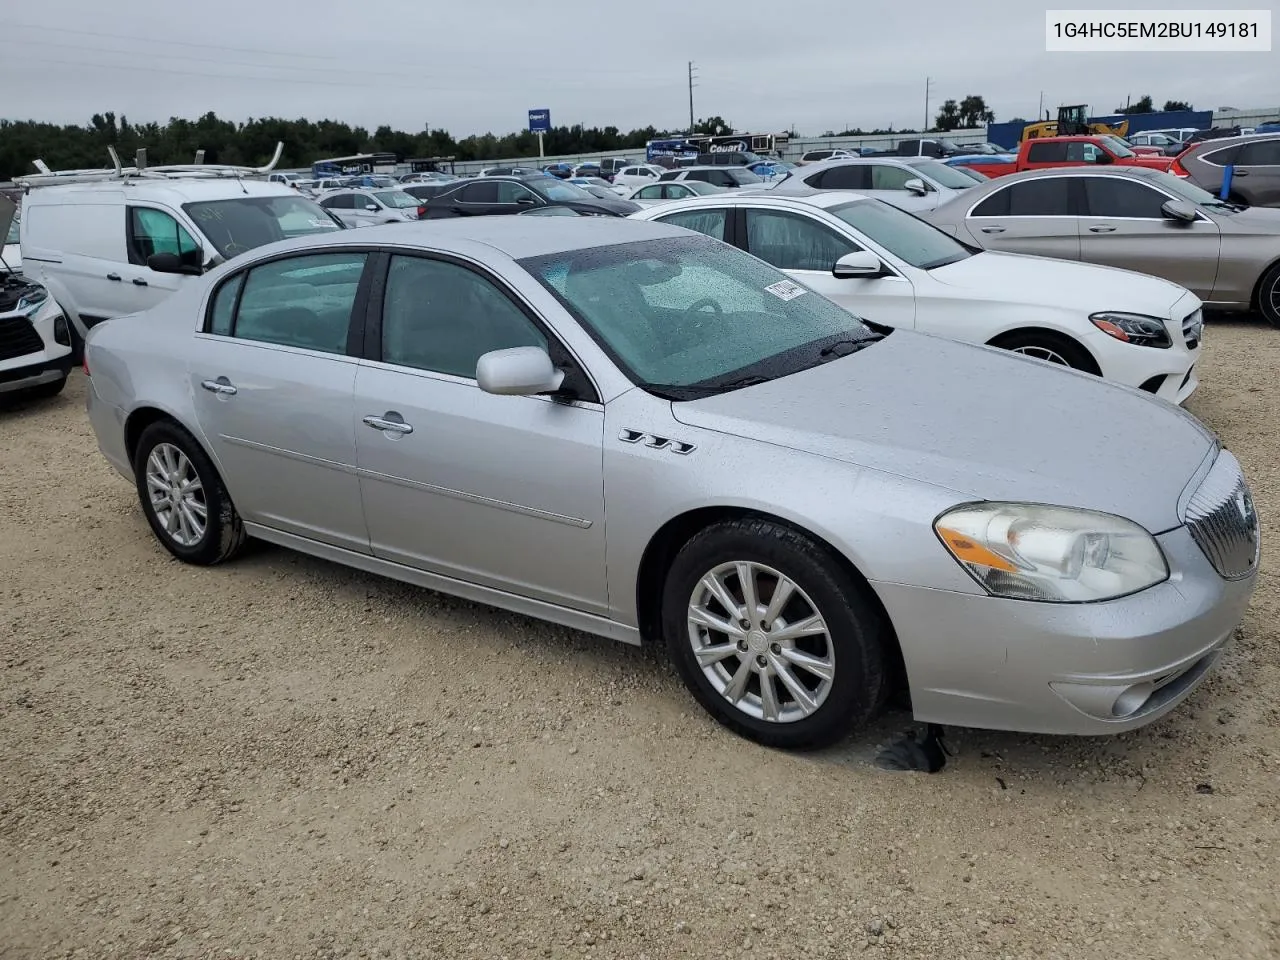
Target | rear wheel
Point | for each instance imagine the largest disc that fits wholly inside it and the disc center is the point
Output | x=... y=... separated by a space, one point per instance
x=1269 y=295
x=183 y=497
x=773 y=636
x=1051 y=347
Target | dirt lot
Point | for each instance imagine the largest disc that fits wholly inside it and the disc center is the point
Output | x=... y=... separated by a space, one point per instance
x=282 y=758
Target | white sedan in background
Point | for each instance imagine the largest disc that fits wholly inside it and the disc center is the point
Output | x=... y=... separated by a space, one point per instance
x=894 y=269
x=657 y=193
x=637 y=176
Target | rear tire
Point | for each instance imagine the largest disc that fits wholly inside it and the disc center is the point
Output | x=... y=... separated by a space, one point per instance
x=1051 y=347
x=1269 y=295
x=183 y=497
x=830 y=637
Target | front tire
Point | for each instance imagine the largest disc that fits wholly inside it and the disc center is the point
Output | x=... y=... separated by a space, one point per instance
x=773 y=636
x=1051 y=347
x=183 y=497
x=1269 y=296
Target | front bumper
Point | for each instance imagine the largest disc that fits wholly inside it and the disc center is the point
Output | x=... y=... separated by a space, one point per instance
x=1097 y=668
x=35 y=374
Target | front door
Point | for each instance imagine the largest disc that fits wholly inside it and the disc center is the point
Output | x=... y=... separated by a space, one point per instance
x=502 y=491
x=273 y=380
x=1035 y=216
x=151 y=230
x=1123 y=226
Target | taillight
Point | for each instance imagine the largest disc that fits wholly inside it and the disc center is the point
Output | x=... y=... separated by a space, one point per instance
x=422 y=211
x=85 y=365
x=1178 y=170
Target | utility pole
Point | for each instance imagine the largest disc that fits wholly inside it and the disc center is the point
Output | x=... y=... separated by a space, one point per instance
x=691 y=86
x=927 y=84
x=1040 y=112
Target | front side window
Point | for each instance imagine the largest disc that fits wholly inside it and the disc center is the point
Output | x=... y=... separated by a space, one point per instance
x=441 y=317
x=245 y=223
x=396 y=199
x=511 y=192
x=884 y=177
x=791 y=241
x=154 y=231
x=677 y=191
x=650 y=193
x=298 y=302
x=1118 y=197
x=687 y=316
x=710 y=222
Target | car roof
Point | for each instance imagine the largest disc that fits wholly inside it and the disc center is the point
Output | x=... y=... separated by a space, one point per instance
x=1145 y=173
x=176 y=191
x=822 y=199
x=1204 y=146
x=517 y=237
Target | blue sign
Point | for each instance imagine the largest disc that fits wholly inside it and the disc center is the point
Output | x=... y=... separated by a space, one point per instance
x=540 y=121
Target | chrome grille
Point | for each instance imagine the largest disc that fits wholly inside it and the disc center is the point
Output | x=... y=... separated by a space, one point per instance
x=1223 y=521
x=1193 y=329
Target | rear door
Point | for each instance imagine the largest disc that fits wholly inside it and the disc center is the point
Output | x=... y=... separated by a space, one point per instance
x=1036 y=216
x=1257 y=172
x=74 y=249
x=1123 y=226
x=272 y=376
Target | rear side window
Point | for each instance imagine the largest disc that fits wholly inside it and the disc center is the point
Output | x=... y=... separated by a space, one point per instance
x=710 y=222
x=301 y=301
x=1050 y=197
x=1222 y=157
x=154 y=231
x=1261 y=153
x=852 y=177
x=480 y=193
x=1047 y=153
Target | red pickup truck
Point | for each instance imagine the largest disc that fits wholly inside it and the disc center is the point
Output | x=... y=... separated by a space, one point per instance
x=1044 y=152
x=1080 y=151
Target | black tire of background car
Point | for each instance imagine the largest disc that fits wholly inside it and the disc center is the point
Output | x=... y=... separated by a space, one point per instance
x=224 y=533
x=1269 y=295
x=859 y=630
x=1077 y=357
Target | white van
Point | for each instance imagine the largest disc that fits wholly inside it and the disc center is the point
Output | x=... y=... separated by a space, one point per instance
x=97 y=244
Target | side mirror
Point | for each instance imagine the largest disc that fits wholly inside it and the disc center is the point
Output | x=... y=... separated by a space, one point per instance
x=860 y=263
x=915 y=185
x=1179 y=210
x=172 y=263
x=372 y=207
x=518 y=371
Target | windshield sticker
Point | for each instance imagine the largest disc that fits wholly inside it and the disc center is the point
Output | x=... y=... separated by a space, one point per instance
x=786 y=290
x=327 y=224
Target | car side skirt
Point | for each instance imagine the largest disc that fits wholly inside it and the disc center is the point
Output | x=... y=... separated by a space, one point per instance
x=541 y=610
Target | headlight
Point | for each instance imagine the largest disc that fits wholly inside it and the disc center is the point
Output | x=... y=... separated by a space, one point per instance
x=1026 y=551
x=33 y=299
x=1133 y=328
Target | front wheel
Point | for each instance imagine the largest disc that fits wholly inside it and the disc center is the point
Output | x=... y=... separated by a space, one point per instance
x=1269 y=296
x=1050 y=347
x=183 y=497
x=773 y=636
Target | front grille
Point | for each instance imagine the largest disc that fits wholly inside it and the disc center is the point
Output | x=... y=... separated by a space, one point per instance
x=1223 y=521
x=18 y=338
x=1193 y=329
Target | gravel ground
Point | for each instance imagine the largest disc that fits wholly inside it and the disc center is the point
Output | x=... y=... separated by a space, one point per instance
x=283 y=758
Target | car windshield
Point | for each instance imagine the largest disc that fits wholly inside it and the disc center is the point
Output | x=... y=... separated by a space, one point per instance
x=1190 y=192
x=396 y=199
x=687 y=317
x=243 y=223
x=742 y=175
x=941 y=174
x=908 y=238
x=553 y=189
x=1117 y=146
x=699 y=187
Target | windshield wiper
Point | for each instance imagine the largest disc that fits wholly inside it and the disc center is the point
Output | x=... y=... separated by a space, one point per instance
x=673 y=391
x=843 y=348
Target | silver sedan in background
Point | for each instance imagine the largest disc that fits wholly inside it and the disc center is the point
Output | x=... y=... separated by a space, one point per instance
x=644 y=433
x=1144 y=220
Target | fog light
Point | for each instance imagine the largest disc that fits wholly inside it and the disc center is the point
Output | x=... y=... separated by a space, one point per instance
x=60 y=331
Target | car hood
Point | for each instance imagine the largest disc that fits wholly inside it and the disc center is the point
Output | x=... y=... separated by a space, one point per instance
x=987 y=424
x=619 y=207
x=1042 y=280
x=1255 y=220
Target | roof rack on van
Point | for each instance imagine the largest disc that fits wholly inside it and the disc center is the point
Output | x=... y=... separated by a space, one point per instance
x=140 y=170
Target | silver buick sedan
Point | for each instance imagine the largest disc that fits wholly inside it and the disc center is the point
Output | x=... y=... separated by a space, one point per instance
x=644 y=433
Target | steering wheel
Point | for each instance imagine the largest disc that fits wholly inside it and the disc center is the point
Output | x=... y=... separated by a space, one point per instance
x=704 y=302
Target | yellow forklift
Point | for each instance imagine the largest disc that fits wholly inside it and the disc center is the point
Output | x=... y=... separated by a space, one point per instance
x=1073 y=121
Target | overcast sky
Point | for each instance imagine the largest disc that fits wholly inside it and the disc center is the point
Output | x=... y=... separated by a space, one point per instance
x=764 y=65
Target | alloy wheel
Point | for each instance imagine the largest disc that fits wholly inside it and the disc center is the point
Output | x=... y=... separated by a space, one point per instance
x=177 y=495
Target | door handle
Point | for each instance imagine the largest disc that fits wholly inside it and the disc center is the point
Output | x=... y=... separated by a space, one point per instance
x=1102 y=229
x=139 y=282
x=221 y=386
x=114 y=276
x=385 y=423
x=993 y=229
x=1239 y=173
